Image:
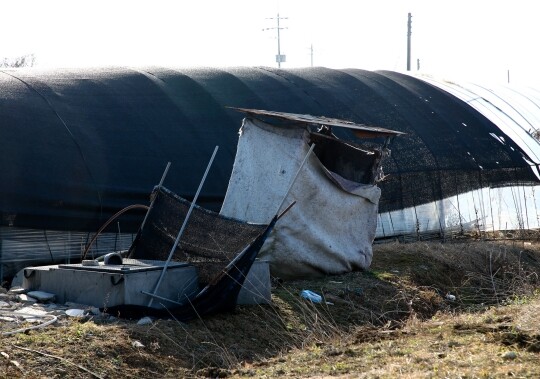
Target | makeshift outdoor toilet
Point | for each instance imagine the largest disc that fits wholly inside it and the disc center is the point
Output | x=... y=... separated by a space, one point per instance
x=331 y=227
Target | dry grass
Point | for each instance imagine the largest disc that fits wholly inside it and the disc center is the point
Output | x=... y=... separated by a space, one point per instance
x=392 y=321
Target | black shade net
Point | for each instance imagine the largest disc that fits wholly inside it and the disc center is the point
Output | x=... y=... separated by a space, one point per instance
x=209 y=241
x=221 y=248
x=78 y=145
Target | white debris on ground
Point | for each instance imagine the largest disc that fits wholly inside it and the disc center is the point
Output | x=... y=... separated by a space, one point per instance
x=21 y=310
x=41 y=296
x=145 y=321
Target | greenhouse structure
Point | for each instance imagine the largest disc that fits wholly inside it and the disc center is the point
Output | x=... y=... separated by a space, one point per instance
x=77 y=145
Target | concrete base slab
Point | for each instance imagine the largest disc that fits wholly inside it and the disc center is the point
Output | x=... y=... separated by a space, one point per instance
x=108 y=286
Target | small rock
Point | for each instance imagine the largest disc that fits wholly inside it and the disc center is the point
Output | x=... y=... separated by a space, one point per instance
x=3 y=304
x=144 y=321
x=31 y=314
x=17 y=290
x=26 y=299
x=332 y=352
x=101 y=353
x=42 y=296
x=76 y=312
x=30 y=311
x=95 y=311
x=137 y=344
x=509 y=355
x=7 y=319
x=3 y=290
x=16 y=364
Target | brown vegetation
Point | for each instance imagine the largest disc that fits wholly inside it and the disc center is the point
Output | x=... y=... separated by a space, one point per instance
x=464 y=309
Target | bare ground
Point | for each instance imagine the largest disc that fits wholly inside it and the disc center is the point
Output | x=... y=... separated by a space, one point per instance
x=458 y=309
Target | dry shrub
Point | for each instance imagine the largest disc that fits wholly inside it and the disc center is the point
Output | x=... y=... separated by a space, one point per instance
x=478 y=273
x=406 y=284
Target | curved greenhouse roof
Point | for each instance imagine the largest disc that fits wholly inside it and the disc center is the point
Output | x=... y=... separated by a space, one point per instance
x=516 y=111
x=77 y=145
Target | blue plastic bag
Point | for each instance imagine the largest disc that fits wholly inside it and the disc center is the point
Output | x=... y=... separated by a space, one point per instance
x=311 y=296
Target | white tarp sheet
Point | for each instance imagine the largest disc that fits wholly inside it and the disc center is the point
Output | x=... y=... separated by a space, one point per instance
x=328 y=231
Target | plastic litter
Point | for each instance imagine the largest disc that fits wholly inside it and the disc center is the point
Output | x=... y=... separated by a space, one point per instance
x=311 y=296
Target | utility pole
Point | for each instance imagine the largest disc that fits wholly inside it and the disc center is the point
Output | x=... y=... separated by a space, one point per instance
x=409 y=27
x=279 y=58
x=311 y=55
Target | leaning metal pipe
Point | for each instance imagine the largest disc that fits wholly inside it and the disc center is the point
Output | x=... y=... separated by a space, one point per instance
x=183 y=226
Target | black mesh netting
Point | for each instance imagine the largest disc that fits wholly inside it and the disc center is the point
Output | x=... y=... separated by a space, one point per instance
x=79 y=144
x=209 y=241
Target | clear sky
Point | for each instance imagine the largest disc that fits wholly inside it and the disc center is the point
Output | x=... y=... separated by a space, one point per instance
x=477 y=40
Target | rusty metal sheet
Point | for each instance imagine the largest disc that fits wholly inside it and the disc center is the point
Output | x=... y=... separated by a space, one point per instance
x=360 y=130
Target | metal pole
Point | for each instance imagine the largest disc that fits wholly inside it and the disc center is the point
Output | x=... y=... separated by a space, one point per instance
x=183 y=226
x=130 y=250
x=278 y=56
x=159 y=185
x=278 y=44
x=409 y=24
